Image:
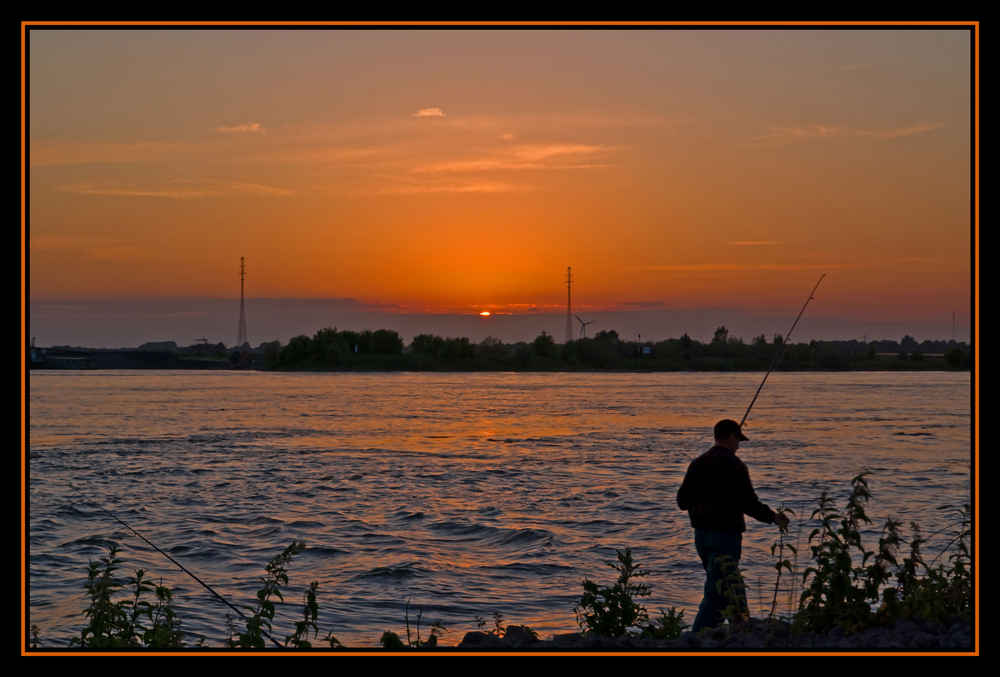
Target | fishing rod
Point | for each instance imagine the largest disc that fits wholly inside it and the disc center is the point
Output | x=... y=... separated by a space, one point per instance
x=781 y=350
x=205 y=585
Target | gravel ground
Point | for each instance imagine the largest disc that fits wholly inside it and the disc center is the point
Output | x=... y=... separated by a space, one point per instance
x=902 y=635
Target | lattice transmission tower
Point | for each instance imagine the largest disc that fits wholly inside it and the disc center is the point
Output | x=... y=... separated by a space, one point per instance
x=569 y=306
x=241 y=335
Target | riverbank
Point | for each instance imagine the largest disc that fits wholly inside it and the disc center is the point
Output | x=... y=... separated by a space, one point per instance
x=902 y=635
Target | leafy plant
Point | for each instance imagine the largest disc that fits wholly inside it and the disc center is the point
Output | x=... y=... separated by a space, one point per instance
x=733 y=588
x=263 y=614
x=941 y=592
x=106 y=618
x=332 y=641
x=670 y=625
x=299 y=638
x=120 y=623
x=879 y=571
x=842 y=593
x=832 y=599
x=135 y=622
x=165 y=630
x=610 y=611
x=390 y=640
x=532 y=633
x=498 y=628
x=782 y=563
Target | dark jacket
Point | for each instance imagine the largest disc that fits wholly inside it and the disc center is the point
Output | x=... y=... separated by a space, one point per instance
x=717 y=493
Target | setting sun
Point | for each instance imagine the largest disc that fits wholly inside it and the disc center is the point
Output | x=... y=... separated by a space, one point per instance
x=485 y=313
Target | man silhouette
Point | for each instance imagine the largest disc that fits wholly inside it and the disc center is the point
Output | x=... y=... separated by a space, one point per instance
x=717 y=492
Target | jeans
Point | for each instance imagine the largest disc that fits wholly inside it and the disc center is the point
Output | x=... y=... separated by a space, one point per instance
x=712 y=545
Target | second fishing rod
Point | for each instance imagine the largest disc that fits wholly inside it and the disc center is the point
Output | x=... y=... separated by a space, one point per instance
x=179 y=565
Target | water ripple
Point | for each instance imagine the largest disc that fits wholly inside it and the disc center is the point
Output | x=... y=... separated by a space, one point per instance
x=464 y=493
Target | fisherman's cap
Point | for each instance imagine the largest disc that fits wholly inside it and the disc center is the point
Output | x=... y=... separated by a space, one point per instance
x=727 y=427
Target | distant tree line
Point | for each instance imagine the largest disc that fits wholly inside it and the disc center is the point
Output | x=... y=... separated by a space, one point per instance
x=384 y=349
x=330 y=348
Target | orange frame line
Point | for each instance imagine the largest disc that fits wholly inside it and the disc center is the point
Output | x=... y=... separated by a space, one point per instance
x=975 y=347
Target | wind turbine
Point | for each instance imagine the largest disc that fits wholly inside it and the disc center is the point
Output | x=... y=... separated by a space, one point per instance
x=583 y=326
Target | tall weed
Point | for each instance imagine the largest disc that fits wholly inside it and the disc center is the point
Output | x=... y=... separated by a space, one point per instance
x=842 y=593
x=610 y=611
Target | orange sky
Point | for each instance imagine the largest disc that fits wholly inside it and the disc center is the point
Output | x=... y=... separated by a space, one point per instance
x=463 y=170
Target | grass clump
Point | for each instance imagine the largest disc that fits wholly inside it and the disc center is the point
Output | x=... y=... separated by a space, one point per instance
x=669 y=625
x=499 y=629
x=391 y=640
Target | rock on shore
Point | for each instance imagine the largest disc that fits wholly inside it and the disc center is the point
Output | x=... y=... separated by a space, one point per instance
x=901 y=635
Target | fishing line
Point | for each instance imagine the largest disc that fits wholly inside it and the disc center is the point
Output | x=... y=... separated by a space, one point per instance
x=781 y=350
x=205 y=585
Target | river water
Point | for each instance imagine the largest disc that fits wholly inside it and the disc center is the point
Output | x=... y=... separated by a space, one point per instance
x=467 y=494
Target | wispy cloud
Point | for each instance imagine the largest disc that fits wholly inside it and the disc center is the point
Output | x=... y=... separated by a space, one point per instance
x=180 y=189
x=247 y=127
x=879 y=135
x=440 y=161
x=488 y=165
x=743 y=244
x=780 y=136
x=865 y=65
x=605 y=120
x=539 y=152
x=475 y=166
x=46 y=154
x=493 y=125
x=525 y=157
x=460 y=155
x=321 y=155
x=44 y=244
x=406 y=186
x=931 y=263
x=90 y=247
x=122 y=253
x=640 y=305
x=735 y=267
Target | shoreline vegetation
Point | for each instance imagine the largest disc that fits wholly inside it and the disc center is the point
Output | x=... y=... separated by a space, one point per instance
x=848 y=595
x=384 y=350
